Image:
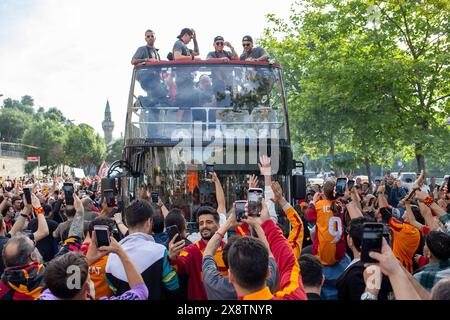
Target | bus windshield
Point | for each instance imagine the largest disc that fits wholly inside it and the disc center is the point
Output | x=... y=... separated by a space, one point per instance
x=169 y=98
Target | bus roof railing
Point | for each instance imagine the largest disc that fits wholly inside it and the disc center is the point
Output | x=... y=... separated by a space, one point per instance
x=210 y=61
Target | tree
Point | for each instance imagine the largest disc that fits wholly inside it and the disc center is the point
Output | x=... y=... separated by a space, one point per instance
x=83 y=147
x=353 y=88
x=114 y=151
x=48 y=136
x=13 y=123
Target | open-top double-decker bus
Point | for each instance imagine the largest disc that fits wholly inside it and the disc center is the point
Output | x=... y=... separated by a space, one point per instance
x=183 y=115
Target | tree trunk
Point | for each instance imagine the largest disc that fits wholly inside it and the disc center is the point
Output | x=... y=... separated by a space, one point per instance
x=332 y=155
x=420 y=161
x=367 y=164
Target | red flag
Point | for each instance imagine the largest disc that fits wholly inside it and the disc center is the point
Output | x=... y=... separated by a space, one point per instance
x=103 y=169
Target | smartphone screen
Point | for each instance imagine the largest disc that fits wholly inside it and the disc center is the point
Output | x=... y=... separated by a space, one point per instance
x=372 y=240
x=254 y=196
x=240 y=210
x=110 y=198
x=101 y=235
x=172 y=231
x=68 y=192
x=209 y=170
x=340 y=186
x=27 y=193
x=350 y=184
x=154 y=197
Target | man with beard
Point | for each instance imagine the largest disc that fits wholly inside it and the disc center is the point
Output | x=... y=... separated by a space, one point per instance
x=189 y=260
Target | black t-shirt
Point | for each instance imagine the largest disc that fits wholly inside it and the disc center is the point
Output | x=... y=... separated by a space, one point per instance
x=46 y=246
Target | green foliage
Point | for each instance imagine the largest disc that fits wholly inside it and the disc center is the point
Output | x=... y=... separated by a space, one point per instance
x=55 y=138
x=13 y=123
x=83 y=147
x=114 y=151
x=48 y=136
x=365 y=80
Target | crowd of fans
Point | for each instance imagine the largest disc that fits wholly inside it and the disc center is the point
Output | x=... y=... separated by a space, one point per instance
x=50 y=251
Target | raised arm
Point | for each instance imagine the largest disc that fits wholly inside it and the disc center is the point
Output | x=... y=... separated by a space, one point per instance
x=196 y=51
x=42 y=230
x=390 y=266
x=295 y=238
x=265 y=168
x=20 y=222
x=220 y=195
x=76 y=228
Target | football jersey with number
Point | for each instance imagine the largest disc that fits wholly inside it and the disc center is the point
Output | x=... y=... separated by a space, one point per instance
x=329 y=239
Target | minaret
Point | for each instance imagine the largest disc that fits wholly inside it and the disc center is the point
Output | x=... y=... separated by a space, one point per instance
x=108 y=124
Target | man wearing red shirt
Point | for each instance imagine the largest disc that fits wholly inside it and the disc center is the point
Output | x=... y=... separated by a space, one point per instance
x=189 y=260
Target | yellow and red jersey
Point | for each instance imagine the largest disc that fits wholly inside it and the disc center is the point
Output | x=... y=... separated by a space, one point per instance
x=190 y=262
x=405 y=242
x=329 y=239
x=97 y=274
x=295 y=238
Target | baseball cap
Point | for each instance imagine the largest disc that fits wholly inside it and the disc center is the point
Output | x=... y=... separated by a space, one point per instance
x=247 y=38
x=184 y=31
x=218 y=38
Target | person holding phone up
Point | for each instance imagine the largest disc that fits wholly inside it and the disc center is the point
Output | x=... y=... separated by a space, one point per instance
x=56 y=275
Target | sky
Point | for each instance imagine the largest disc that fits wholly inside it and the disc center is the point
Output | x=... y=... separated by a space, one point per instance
x=75 y=54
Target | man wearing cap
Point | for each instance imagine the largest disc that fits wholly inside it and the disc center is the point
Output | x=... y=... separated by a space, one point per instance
x=221 y=54
x=148 y=52
x=180 y=50
x=250 y=53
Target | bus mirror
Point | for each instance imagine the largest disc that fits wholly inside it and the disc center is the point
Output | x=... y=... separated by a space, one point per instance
x=299 y=186
x=108 y=183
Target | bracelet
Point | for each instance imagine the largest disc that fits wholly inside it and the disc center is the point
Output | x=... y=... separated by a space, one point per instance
x=38 y=210
x=120 y=222
x=428 y=201
x=221 y=235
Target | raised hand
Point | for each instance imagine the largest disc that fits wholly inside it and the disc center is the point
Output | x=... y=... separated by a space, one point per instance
x=253 y=181
x=265 y=166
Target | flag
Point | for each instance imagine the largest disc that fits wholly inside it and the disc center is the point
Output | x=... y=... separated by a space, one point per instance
x=103 y=169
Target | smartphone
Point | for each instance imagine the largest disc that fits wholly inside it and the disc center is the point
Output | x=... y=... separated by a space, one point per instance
x=27 y=193
x=209 y=169
x=172 y=231
x=240 y=209
x=372 y=240
x=350 y=184
x=340 y=186
x=154 y=196
x=254 y=197
x=102 y=235
x=68 y=193
x=411 y=194
x=110 y=198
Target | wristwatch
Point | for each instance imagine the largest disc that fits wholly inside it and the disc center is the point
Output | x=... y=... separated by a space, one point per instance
x=368 y=296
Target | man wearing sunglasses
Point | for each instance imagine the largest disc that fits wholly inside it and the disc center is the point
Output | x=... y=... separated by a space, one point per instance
x=221 y=54
x=253 y=54
x=147 y=52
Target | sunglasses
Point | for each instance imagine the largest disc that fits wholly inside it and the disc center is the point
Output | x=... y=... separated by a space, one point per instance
x=219 y=43
x=246 y=44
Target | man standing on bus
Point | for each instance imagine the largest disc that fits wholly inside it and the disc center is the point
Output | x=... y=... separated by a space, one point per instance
x=147 y=52
x=219 y=53
x=253 y=54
